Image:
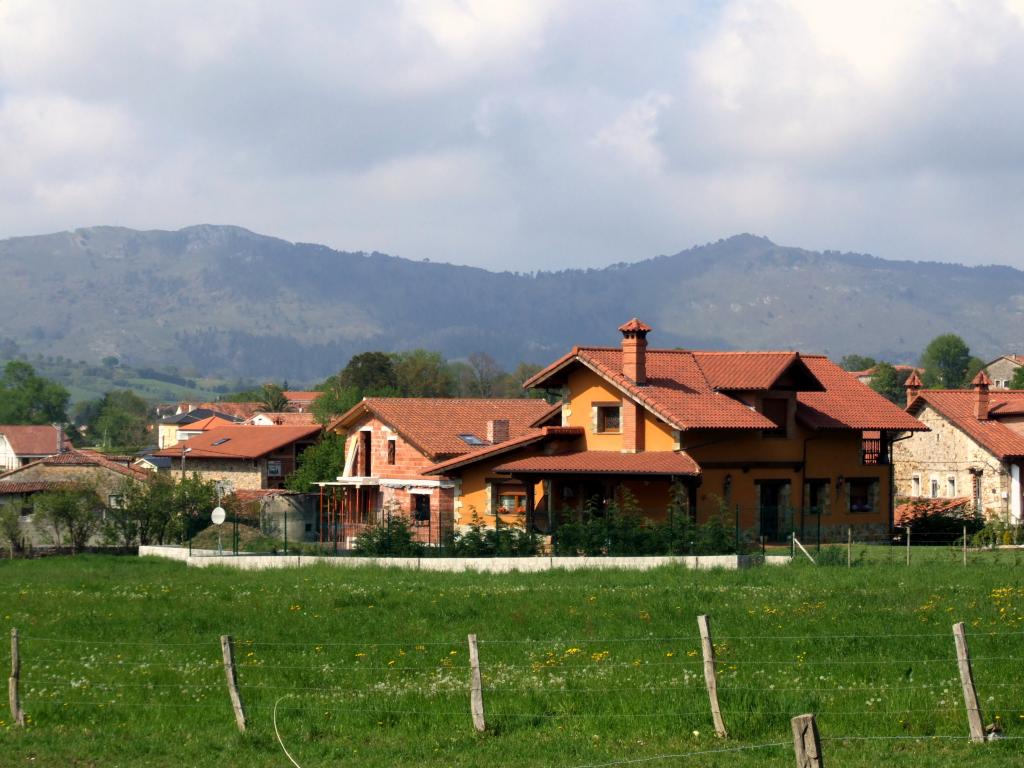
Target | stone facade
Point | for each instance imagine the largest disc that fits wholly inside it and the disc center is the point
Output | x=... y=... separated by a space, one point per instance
x=955 y=463
x=1001 y=371
x=245 y=474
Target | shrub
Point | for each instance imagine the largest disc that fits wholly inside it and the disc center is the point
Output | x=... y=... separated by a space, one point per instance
x=943 y=527
x=391 y=538
x=500 y=541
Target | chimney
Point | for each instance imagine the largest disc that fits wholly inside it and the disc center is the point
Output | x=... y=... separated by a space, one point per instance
x=981 y=383
x=634 y=350
x=913 y=385
x=497 y=431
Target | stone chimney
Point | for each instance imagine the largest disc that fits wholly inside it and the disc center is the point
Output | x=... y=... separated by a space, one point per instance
x=497 y=431
x=634 y=350
x=981 y=383
x=913 y=385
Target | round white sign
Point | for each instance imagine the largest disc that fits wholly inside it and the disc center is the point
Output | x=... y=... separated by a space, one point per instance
x=218 y=516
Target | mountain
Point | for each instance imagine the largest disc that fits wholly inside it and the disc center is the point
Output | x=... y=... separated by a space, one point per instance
x=229 y=302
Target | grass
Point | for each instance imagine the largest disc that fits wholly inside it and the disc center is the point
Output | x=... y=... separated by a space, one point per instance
x=121 y=664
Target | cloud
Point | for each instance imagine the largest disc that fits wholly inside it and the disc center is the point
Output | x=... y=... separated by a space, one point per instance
x=535 y=134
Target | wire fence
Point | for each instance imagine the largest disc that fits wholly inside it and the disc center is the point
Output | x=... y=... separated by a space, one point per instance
x=688 y=686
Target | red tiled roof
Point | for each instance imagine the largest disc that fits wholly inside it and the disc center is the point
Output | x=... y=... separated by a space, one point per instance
x=433 y=425
x=531 y=437
x=301 y=397
x=238 y=410
x=239 y=442
x=957 y=405
x=203 y=425
x=285 y=418
x=247 y=495
x=34 y=440
x=32 y=486
x=81 y=458
x=926 y=506
x=606 y=463
x=682 y=388
x=635 y=325
x=847 y=403
x=744 y=370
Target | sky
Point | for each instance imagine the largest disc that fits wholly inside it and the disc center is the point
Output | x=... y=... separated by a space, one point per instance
x=523 y=135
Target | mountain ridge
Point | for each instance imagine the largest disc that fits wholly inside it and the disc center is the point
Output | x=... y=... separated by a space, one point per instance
x=224 y=300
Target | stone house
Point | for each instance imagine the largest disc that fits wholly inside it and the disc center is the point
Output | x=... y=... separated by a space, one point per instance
x=70 y=469
x=250 y=457
x=391 y=442
x=975 y=447
x=778 y=440
x=1000 y=371
x=21 y=444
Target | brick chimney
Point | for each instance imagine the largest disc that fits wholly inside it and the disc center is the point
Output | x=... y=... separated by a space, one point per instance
x=981 y=383
x=497 y=431
x=913 y=385
x=634 y=350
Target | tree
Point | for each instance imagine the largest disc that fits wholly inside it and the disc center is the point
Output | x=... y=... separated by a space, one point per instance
x=193 y=501
x=974 y=366
x=73 y=513
x=419 y=373
x=118 y=419
x=1017 y=381
x=271 y=398
x=369 y=372
x=857 y=363
x=888 y=382
x=323 y=461
x=26 y=398
x=333 y=401
x=945 y=362
x=485 y=374
x=10 y=528
x=146 y=512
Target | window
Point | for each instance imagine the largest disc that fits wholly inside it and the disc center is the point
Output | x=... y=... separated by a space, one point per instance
x=473 y=440
x=609 y=418
x=935 y=488
x=915 y=485
x=391 y=451
x=421 y=507
x=512 y=503
x=274 y=468
x=951 y=486
x=777 y=410
x=115 y=501
x=862 y=492
x=221 y=441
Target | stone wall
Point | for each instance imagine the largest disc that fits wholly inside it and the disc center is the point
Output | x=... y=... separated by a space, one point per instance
x=947 y=452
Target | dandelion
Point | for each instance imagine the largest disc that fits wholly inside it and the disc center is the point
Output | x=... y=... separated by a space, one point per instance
x=696 y=734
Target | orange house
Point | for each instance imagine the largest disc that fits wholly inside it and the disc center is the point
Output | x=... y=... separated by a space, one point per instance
x=391 y=442
x=777 y=442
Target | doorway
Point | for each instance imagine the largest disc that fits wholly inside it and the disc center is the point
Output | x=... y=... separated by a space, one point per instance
x=773 y=497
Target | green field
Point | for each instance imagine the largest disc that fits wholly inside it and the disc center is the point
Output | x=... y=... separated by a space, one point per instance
x=121 y=664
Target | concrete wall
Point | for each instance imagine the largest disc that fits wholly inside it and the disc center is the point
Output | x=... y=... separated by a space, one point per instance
x=209 y=558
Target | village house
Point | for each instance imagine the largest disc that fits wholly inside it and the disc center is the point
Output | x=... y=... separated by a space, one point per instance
x=865 y=376
x=1000 y=371
x=173 y=429
x=21 y=444
x=69 y=469
x=773 y=440
x=280 y=418
x=390 y=444
x=974 y=449
x=250 y=457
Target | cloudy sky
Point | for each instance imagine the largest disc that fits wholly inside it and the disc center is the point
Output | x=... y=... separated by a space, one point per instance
x=521 y=134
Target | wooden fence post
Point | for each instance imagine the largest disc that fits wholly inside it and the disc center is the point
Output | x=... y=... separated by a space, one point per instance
x=476 y=695
x=849 y=546
x=908 y=545
x=807 y=742
x=965 y=546
x=710 y=677
x=963 y=660
x=17 y=716
x=227 y=648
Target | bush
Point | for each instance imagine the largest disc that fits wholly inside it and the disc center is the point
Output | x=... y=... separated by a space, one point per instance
x=391 y=538
x=998 y=532
x=500 y=541
x=10 y=528
x=945 y=527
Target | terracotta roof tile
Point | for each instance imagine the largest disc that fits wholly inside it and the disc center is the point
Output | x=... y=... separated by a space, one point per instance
x=847 y=403
x=434 y=424
x=34 y=440
x=32 y=486
x=926 y=506
x=682 y=388
x=530 y=438
x=203 y=425
x=606 y=463
x=284 y=418
x=81 y=458
x=957 y=405
x=302 y=397
x=240 y=442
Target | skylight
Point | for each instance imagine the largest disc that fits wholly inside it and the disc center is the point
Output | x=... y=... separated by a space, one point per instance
x=221 y=441
x=473 y=440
